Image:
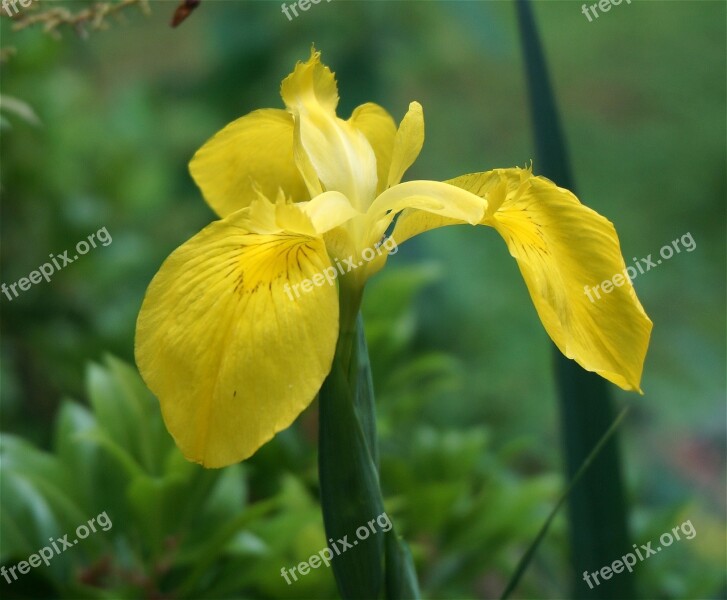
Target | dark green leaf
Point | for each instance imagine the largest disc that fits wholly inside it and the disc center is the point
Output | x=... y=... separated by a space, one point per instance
x=597 y=508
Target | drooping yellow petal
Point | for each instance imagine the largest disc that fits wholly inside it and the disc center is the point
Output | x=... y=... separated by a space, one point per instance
x=339 y=152
x=408 y=143
x=254 y=150
x=565 y=249
x=380 y=130
x=231 y=347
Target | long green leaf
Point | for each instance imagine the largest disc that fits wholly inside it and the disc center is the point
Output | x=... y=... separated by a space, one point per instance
x=597 y=509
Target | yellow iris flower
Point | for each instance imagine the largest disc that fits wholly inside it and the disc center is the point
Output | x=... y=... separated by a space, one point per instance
x=234 y=358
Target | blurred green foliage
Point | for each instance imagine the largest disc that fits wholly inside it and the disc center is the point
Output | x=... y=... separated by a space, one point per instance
x=185 y=532
x=177 y=528
x=461 y=364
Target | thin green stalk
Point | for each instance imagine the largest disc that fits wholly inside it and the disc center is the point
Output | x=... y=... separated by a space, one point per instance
x=527 y=557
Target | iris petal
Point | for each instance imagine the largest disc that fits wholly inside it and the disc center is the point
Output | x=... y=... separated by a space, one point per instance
x=380 y=130
x=426 y=197
x=563 y=248
x=255 y=150
x=231 y=354
x=328 y=210
x=432 y=199
x=339 y=152
x=407 y=144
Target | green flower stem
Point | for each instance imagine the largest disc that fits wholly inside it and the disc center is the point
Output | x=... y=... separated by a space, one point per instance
x=350 y=303
x=377 y=566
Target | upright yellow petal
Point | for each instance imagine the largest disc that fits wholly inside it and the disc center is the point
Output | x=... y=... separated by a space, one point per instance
x=564 y=249
x=231 y=347
x=255 y=150
x=408 y=143
x=339 y=152
x=311 y=85
x=380 y=130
